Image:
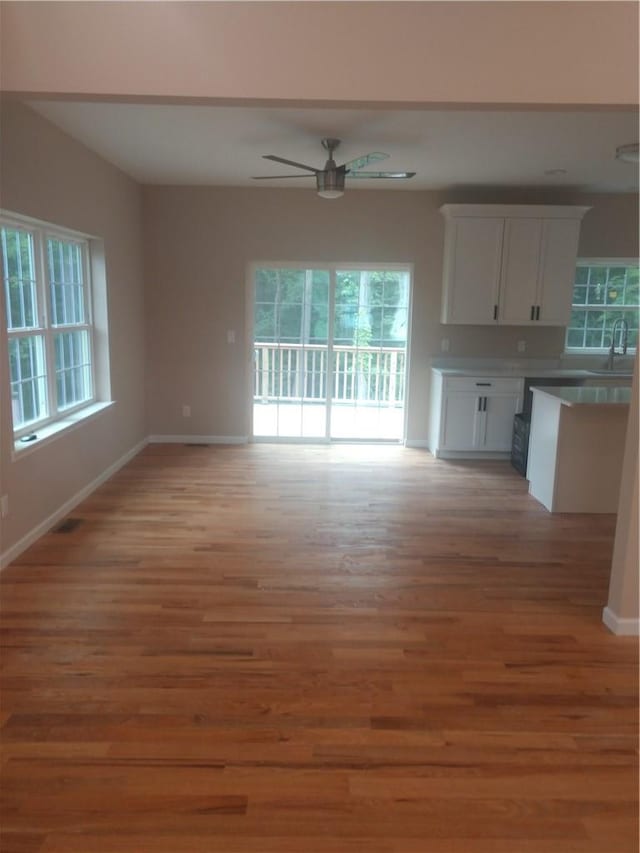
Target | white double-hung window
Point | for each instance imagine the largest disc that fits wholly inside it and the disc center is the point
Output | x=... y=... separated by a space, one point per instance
x=47 y=294
x=605 y=291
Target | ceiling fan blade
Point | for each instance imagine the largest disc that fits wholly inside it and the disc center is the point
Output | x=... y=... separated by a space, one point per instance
x=361 y=162
x=289 y=162
x=276 y=177
x=391 y=176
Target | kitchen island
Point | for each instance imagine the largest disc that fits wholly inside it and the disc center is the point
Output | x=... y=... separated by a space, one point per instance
x=576 y=447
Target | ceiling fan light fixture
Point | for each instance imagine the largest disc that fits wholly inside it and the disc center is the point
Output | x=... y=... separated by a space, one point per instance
x=330 y=184
x=627 y=153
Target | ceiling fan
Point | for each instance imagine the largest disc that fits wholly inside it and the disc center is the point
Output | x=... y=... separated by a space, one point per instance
x=330 y=180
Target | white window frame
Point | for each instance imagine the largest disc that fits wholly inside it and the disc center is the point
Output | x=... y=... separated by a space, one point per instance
x=598 y=262
x=41 y=232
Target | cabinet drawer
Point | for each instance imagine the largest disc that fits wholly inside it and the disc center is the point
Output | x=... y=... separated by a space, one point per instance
x=483 y=385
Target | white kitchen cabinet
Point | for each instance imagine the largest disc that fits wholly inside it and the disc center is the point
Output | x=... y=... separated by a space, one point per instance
x=472 y=258
x=459 y=421
x=473 y=415
x=499 y=412
x=518 y=293
x=509 y=264
x=558 y=265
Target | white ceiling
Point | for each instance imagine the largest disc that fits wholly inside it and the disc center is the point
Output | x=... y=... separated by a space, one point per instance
x=222 y=145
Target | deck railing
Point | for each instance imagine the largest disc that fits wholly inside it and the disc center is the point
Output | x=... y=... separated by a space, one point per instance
x=358 y=374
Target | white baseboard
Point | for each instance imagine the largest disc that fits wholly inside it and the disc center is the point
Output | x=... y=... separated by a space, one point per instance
x=619 y=625
x=198 y=439
x=39 y=530
x=417 y=442
x=471 y=454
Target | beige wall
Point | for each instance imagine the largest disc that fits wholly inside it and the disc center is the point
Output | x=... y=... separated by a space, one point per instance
x=624 y=601
x=47 y=175
x=430 y=52
x=200 y=241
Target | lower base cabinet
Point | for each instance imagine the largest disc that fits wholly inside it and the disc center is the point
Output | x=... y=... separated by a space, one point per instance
x=473 y=415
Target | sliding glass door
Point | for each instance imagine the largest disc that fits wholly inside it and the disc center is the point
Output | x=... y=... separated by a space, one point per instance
x=330 y=353
x=371 y=311
x=291 y=352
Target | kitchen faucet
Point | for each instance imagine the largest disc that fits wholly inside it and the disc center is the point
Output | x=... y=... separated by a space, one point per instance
x=624 y=334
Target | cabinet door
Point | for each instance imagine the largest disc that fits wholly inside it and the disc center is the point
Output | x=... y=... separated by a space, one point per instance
x=520 y=271
x=557 y=270
x=460 y=422
x=500 y=410
x=473 y=248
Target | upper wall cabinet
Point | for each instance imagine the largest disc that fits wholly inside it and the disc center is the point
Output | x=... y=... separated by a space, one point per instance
x=509 y=264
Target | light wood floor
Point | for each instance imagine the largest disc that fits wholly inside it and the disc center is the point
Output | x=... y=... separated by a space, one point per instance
x=272 y=649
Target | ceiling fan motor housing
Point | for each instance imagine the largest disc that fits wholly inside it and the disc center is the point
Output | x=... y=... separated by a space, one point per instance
x=330 y=183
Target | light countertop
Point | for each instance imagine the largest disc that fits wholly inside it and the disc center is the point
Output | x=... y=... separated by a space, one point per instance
x=588 y=395
x=529 y=372
x=513 y=372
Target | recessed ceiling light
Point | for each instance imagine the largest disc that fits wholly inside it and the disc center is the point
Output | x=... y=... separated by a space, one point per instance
x=555 y=172
x=628 y=153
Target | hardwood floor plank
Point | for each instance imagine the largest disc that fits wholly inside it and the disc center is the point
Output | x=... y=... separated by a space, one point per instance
x=301 y=649
x=21 y=842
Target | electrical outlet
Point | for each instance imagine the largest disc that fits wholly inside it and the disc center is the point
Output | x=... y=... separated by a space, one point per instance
x=444 y=345
x=4 y=506
x=522 y=346
x=186 y=411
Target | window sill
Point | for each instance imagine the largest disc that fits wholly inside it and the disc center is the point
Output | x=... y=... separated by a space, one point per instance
x=48 y=433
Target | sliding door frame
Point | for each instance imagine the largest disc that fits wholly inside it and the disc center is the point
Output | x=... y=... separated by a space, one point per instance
x=332 y=268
